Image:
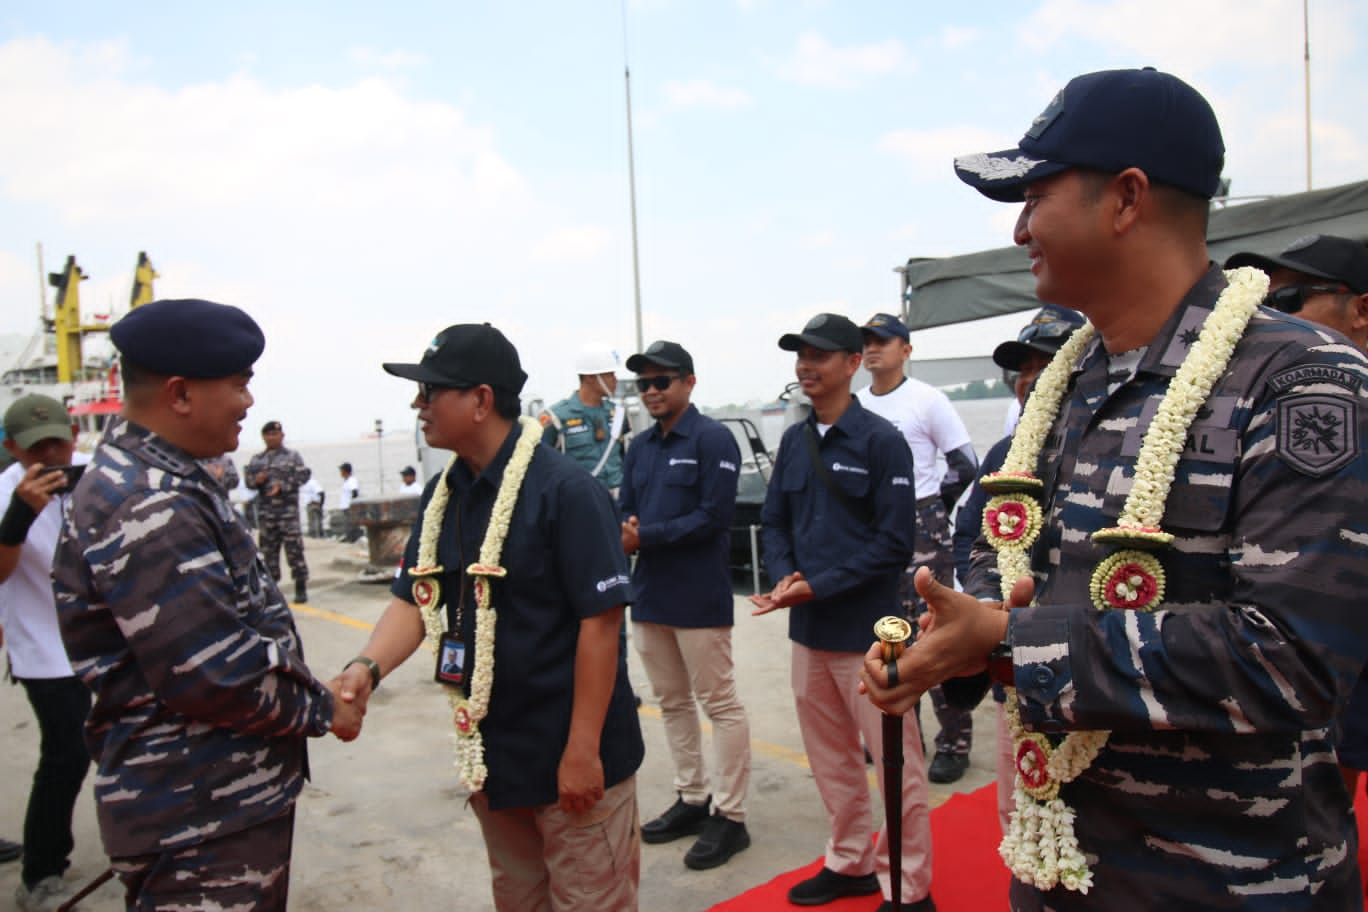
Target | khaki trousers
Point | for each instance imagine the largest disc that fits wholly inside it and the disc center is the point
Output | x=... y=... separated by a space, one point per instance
x=688 y=664
x=545 y=860
x=832 y=716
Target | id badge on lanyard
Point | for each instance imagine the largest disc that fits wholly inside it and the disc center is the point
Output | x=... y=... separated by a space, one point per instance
x=451 y=661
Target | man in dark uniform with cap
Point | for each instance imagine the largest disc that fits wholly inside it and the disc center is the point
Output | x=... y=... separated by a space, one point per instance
x=839 y=526
x=678 y=496
x=203 y=703
x=1324 y=279
x=517 y=552
x=1178 y=547
x=276 y=474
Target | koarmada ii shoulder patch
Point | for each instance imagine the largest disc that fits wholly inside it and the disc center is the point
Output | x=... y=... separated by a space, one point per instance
x=1317 y=435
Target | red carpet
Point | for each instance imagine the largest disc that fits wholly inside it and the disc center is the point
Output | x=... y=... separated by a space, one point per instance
x=967 y=876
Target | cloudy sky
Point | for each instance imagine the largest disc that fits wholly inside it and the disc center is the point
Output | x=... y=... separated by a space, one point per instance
x=359 y=175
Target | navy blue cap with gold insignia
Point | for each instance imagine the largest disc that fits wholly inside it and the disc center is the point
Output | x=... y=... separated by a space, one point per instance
x=1046 y=334
x=189 y=337
x=886 y=326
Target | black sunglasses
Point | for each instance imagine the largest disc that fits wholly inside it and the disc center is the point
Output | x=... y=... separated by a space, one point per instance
x=427 y=390
x=1292 y=298
x=660 y=383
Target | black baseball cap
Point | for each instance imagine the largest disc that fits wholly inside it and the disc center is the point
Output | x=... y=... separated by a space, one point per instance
x=466 y=355
x=1110 y=121
x=271 y=426
x=886 y=326
x=1324 y=256
x=669 y=355
x=407 y=471
x=1046 y=334
x=828 y=332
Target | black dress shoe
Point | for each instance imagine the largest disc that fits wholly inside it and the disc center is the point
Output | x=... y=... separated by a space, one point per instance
x=10 y=851
x=828 y=886
x=925 y=904
x=947 y=767
x=721 y=839
x=680 y=820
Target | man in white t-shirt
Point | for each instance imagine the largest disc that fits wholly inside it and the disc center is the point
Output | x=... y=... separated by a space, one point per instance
x=349 y=491
x=39 y=434
x=409 y=476
x=933 y=430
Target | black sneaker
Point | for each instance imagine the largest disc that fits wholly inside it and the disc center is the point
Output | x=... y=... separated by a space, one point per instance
x=925 y=904
x=828 y=886
x=680 y=820
x=947 y=767
x=721 y=839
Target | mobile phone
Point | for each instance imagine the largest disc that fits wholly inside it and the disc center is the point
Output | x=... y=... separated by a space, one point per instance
x=72 y=472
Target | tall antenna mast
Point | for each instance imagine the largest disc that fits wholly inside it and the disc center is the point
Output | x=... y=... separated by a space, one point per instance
x=1306 y=57
x=631 y=182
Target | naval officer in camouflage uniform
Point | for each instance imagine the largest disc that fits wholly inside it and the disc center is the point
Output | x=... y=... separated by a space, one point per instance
x=1218 y=787
x=276 y=474
x=203 y=703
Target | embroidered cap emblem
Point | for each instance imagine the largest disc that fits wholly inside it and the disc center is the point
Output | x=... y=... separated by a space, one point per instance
x=1316 y=434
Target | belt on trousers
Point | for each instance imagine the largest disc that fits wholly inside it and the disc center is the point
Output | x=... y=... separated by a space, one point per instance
x=924 y=502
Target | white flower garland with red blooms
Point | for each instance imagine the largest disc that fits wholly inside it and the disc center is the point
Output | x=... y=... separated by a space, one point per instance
x=467 y=713
x=1040 y=847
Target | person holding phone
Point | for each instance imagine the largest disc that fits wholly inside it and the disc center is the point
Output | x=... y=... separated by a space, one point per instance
x=40 y=435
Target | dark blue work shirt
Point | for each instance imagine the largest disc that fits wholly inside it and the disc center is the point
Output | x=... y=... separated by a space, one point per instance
x=852 y=565
x=682 y=488
x=565 y=562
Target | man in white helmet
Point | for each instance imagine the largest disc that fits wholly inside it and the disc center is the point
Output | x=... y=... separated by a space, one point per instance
x=587 y=425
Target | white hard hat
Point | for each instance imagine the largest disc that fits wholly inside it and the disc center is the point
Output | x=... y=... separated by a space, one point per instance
x=596 y=360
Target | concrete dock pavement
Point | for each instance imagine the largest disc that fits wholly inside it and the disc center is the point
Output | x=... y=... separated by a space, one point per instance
x=384 y=824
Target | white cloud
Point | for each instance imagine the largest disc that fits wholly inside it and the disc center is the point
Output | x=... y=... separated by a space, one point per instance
x=701 y=93
x=817 y=62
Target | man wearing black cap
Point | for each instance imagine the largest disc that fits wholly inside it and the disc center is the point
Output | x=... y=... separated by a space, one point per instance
x=1021 y=361
x=517 y=552
x=838 y=522
x=1321 y=278
x=34 y=492
x=408 y=477
x=1178 y=539
x=203 y=704
x=276 y=474
x=932 y=429
x=678 y=496
x=1324 y=279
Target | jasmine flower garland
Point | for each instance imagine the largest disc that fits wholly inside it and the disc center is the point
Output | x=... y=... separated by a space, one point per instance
x=1040 y=846
x=467 y=713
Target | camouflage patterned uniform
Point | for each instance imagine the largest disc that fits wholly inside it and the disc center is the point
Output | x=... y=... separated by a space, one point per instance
x=202 y=699
x=278 y=513
x=1218 y=788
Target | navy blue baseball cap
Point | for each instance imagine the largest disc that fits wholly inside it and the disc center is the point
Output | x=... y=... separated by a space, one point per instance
x=1110 y=121
x=1324 y=256
x=465 y=355
x=1046 y=334
x=886 y=326
x=189 y=338
x=827 y=332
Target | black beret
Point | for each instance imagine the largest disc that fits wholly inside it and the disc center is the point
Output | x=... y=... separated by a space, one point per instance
x=189 y=338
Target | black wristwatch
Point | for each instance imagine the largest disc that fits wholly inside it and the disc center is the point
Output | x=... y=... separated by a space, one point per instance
x=1000 y=668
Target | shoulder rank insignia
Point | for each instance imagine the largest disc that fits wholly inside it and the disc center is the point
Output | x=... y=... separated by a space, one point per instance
x=1317 y=435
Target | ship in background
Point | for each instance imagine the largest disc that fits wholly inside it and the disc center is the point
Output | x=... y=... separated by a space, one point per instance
x=71 y=358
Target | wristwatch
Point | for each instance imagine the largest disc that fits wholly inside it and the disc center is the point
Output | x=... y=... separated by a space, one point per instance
x=1000 y=668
